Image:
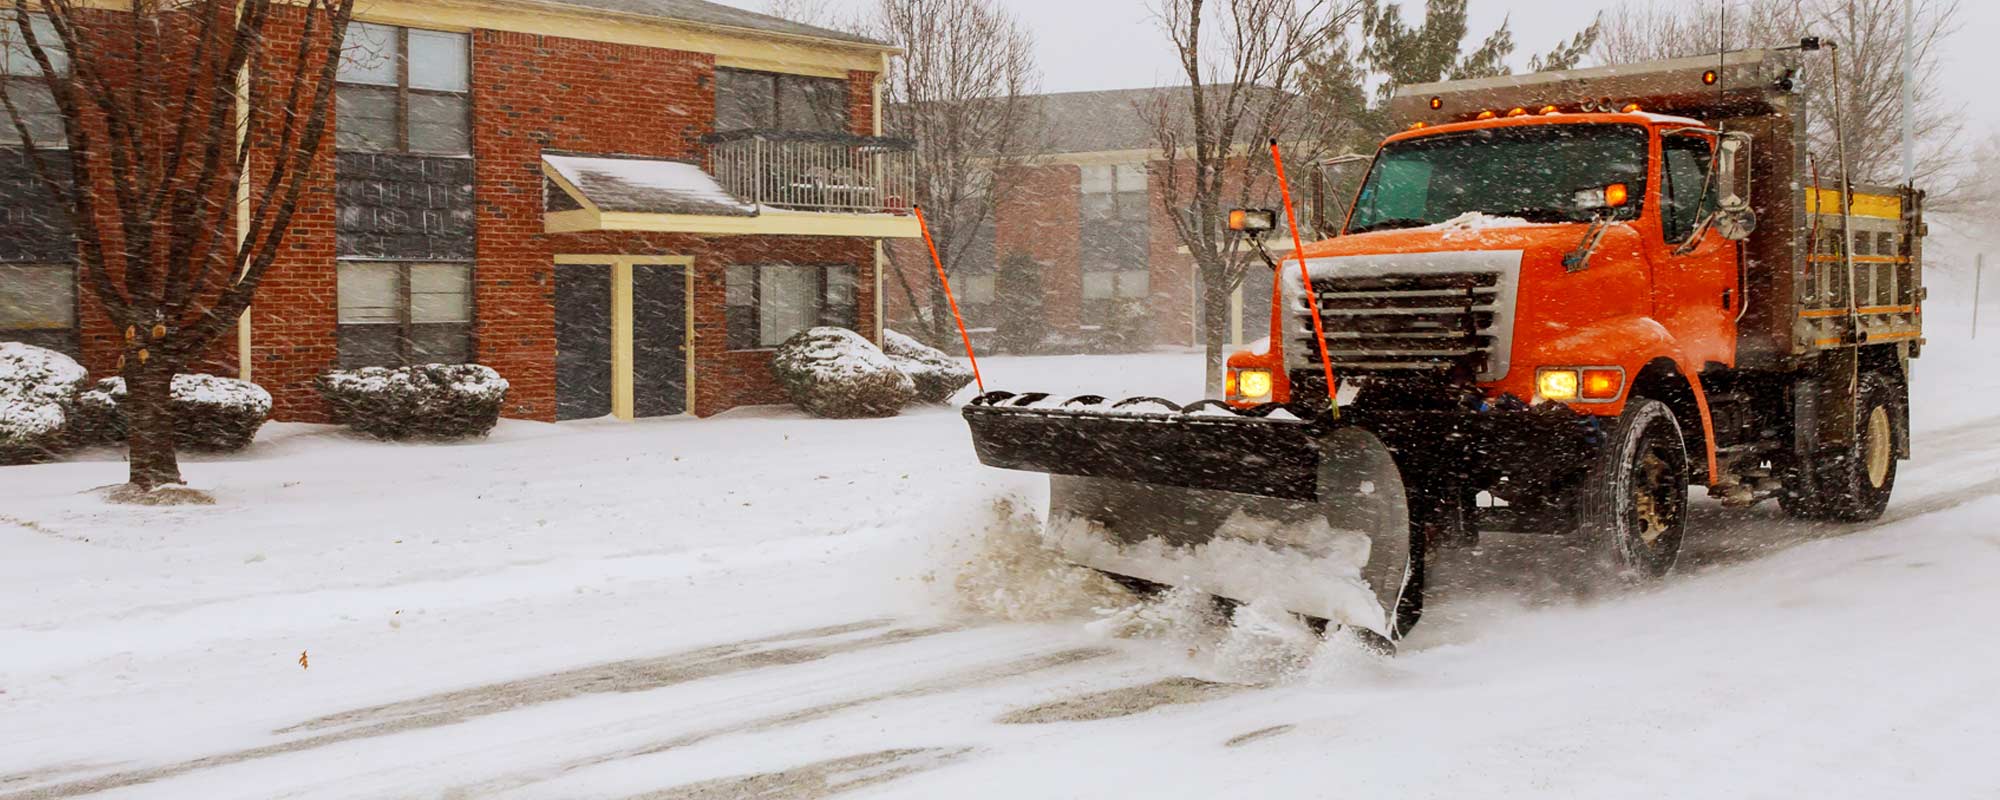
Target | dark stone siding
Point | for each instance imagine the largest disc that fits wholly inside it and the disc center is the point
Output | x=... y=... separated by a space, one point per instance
x=34 y=228
x=404 y=207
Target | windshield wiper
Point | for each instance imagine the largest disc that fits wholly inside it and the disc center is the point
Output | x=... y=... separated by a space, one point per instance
x=1389 y=224
x=1542 y=215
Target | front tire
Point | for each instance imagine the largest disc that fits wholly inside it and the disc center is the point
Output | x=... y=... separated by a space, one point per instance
x=1634 y=499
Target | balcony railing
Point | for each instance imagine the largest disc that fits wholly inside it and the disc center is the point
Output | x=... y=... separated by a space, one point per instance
x=806 y=171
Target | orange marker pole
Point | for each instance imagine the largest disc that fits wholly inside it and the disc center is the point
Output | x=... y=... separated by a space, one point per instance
x=1305 y=278
x=948 y=298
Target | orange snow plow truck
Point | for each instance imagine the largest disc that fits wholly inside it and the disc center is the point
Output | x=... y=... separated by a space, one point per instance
x=1557 y=301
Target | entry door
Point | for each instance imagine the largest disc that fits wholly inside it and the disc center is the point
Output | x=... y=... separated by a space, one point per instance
x=583 y=340
x=659 y=339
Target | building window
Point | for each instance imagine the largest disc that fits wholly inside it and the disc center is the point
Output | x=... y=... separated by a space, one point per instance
x=404 y=91
x=973 y=288
x=21 y=78
x=394 y=315
x=1113 y=251
x=770 y=302
x=774 y=101
x=38 y=305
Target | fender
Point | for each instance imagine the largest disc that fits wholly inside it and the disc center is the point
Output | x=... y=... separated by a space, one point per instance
x=1631 y=342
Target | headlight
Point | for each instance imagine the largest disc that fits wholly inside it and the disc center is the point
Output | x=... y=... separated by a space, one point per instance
x=1579 y=384
x=1253 y=384
x=1558 y=384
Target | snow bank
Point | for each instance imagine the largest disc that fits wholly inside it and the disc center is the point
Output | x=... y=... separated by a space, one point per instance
x=428 y=401
x=38 y=388
x=937 y=376
x=834 y=372
x=210 y=412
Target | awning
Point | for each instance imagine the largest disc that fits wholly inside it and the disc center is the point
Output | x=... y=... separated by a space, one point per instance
x=610 y=193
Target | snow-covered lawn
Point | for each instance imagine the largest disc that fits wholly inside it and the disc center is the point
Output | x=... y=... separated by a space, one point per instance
x=767 y=605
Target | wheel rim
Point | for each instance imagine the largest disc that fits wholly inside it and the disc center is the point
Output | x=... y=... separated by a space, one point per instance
x=1646 y=500
x=1880 y=453
x=1657 y=501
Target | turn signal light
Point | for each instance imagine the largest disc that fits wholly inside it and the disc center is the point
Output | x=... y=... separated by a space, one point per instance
x=1615 y=195
x=1630 y=108
x=1710 y=77
x=1602 y=384
x=1517 y=111
x=1437 y=103
x=1487 y=114
x=1548 y=109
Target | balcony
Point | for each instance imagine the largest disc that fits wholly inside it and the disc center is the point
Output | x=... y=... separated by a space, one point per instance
x=821 y=172
x=753 y=182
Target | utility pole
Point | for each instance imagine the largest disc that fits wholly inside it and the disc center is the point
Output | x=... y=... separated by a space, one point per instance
x=1978 y=272
x=1909 y=93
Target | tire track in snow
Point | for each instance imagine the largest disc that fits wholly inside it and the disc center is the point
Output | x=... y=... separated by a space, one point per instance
x=1123 y=701
x=818 y=779
x=457 y=706
x=957 y=681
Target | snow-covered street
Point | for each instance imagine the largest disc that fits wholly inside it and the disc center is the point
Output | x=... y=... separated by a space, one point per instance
x=767 y=605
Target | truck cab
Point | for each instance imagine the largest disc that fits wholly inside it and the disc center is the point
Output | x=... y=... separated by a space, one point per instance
x=1535 y=257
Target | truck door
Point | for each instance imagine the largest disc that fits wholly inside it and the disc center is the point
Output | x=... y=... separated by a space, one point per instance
x=1695 y=291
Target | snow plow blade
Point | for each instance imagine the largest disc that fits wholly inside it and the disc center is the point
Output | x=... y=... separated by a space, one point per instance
x=1253 y=506
x=1207 y=445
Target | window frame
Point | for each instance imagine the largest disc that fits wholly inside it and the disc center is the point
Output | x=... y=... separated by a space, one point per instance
x=405 y=325
x=33 y=81
x=844 y=111
x=1670 y=201
x=822 y=285
x=71 y=335
x=403 y=91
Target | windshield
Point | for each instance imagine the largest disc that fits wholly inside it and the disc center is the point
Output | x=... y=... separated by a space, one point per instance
x=1533 y=172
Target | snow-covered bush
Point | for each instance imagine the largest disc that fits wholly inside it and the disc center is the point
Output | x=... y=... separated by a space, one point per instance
x=210 y=412
x=428 y=401
x=935 y=374
x=834 y=372
x=38 y=389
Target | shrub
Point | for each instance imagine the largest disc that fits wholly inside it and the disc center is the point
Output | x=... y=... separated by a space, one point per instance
x=210 y=412
x=936 y=375
x=429 y=401
x=38 y=389
x=834 y=372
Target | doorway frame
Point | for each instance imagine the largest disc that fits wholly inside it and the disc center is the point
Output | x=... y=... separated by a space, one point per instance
x=621 y=320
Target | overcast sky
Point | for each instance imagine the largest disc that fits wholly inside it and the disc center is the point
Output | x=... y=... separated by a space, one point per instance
x=1115 y=44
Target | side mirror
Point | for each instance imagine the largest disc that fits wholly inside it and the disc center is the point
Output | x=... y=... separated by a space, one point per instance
x=1334 y=184
x=1734 y=218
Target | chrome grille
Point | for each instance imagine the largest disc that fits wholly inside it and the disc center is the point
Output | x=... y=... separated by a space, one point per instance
x=1403 y=322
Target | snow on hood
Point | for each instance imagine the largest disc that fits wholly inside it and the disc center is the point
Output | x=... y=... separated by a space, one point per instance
x=1477 y=221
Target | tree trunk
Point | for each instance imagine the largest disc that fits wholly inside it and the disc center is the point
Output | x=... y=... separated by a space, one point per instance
x=149 y=426
x=1214 y=326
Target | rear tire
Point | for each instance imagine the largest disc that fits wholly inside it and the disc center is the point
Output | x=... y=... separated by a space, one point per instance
x=1634 y=499
x=1852 y=484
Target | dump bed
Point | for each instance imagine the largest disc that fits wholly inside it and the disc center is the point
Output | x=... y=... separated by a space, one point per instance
x=1799 y=293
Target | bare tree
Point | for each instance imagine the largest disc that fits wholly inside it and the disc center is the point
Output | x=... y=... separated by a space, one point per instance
x=962 y=90
x=1869 y=34
x=1241 y=60
x=159 y=133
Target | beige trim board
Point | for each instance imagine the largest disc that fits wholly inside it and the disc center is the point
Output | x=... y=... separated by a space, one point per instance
x=766 y=50
x=622 y=400
x=772 y=222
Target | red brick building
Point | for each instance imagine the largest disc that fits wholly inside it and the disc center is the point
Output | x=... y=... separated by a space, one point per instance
x=620 y=205
x=1088 y=207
